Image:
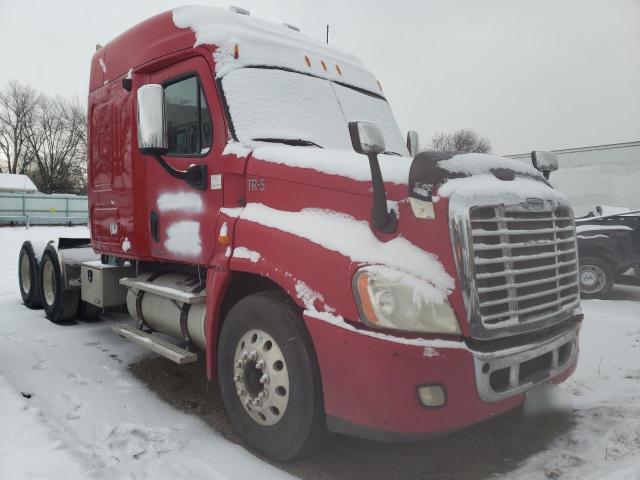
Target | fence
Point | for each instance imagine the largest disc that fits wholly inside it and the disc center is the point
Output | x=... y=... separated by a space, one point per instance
x=41 y=209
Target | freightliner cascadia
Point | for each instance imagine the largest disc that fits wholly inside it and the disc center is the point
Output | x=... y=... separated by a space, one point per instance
x=253 y=203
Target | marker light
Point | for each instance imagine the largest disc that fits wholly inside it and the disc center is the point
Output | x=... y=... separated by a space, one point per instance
x=308 y=60
x=379 y=85
x=236 y=51
x=324 y=65
x=338 y=69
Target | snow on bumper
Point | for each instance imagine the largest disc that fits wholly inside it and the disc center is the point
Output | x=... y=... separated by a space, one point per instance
x=371 y=384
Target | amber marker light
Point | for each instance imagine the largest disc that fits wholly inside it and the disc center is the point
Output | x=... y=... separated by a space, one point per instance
x=308 y=60
x=338 y=69
x=223 y=239
x=365 y=299
x=236 y=51
x=324 y=65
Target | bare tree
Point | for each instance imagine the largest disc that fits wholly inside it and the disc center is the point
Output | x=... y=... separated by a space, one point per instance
x=17 y=105
x=57 y=145
x=463 y=140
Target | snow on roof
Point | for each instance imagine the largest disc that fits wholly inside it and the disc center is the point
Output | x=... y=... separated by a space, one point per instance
x=11 y=182
x=243 y=40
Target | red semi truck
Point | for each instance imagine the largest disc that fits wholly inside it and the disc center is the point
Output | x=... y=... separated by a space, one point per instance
x=252 y=201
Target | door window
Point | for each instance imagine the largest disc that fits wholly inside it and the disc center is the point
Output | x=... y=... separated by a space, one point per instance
x=189 y=128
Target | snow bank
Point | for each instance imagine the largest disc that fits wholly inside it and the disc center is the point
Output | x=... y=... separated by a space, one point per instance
x=357 y=242
x=603 y=439
x=265 y=43
x=345 y=163
x=89 y=417
x=29 y=448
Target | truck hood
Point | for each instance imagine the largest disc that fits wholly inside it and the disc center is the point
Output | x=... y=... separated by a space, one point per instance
x=431 y=173
x=426 y=175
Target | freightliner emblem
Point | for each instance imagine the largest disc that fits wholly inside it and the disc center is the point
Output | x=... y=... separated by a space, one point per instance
x=533 y=203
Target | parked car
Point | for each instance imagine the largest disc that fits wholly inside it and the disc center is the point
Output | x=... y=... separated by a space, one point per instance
x=609 y=249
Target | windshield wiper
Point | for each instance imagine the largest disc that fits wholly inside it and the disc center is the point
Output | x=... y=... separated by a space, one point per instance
x=296 y=142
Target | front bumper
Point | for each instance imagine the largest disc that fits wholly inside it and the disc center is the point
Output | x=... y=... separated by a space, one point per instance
x=370 y=384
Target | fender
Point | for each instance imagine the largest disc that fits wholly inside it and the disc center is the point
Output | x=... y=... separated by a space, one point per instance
x=217 y=282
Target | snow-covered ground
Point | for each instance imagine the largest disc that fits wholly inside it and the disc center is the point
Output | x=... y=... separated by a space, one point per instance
x=89 y=417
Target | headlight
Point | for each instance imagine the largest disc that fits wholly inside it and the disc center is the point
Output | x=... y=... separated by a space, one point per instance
x=395 y=300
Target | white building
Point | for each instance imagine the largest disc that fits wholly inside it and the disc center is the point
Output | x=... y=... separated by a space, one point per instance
x=14 y=183
x=598 y=175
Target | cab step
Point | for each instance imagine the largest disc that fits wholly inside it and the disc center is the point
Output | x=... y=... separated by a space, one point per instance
x=158 y=345
x=166 y=292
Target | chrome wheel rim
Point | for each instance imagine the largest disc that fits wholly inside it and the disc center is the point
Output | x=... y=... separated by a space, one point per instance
x=261 y=377
x=592 y=278
x=25 y=274
x=48 y=283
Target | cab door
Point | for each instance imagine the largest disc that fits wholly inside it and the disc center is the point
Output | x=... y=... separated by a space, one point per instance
x=182 y=219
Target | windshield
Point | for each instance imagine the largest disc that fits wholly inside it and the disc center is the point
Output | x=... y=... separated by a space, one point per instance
x=275 y=105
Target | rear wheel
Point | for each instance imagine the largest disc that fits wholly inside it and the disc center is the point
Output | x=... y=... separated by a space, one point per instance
x=269 y=377
x=28 y=276
x=59 y=305
x=596 y=277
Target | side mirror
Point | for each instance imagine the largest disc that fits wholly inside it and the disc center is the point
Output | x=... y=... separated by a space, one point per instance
x=152 y=136
x=366 y=138
x=545 y=162
x=413 y=143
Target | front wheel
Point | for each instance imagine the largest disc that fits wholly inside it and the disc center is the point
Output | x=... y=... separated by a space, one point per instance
x=596 y=277
x=269 y=377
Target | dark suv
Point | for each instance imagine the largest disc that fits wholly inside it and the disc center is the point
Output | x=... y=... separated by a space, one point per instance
x=609 y=249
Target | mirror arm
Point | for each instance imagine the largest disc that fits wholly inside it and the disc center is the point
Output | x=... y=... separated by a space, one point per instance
x=195 y=175
x=381 y=218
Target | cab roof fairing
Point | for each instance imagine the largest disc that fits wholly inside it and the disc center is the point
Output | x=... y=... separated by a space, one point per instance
x=263 y=43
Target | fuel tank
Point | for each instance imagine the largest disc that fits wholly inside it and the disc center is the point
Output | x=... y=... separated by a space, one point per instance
x=165 y=315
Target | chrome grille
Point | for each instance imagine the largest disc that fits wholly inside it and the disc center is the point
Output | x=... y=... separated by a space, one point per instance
x=525 y=263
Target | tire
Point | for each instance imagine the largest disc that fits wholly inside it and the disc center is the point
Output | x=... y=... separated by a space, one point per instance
x=28 y=277
x=87 y=310
x=596 y=277
x=59 y=305
x=294 y=387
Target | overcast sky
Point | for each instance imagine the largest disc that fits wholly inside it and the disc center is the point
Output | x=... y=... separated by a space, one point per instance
x=536 y=74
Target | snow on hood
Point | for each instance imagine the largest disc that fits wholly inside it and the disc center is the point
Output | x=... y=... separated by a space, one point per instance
x=268 y=44
x=480 y=163
x=476 y=174
x=345 y=163
x=358 y=243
